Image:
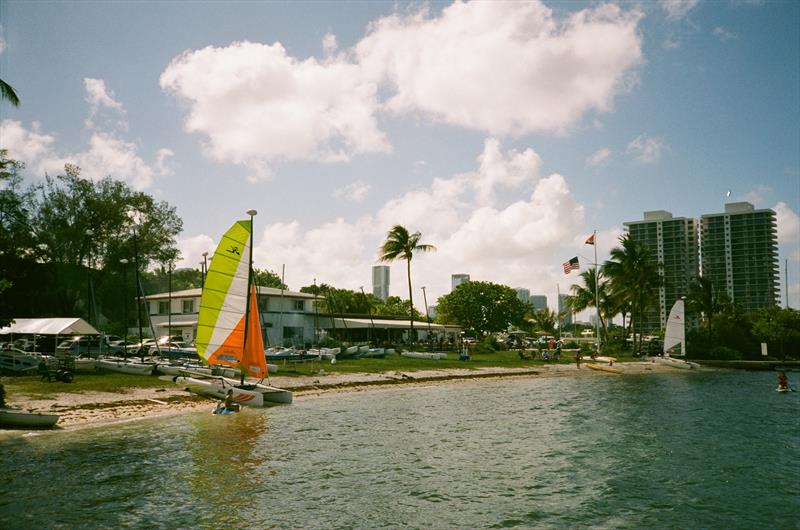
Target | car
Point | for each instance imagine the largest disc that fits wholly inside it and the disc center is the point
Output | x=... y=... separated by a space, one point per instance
x=88 y=345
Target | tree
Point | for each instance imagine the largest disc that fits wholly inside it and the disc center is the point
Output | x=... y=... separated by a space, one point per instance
x=266 y=278
x=7 y=93
x=634 y=278
x=584 y=296
x=702 y=299
x=400 y=244
x=482 y=307
x=16 y=237
x=779 y=327
x=545 y=320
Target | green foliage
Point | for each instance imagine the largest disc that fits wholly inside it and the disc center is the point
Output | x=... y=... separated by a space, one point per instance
x=544 y=320
x=779 y=328
x=8 y=93
x=481 y=307
x=267 y=278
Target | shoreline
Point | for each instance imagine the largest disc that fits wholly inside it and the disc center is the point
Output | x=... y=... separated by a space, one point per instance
x=96 y=409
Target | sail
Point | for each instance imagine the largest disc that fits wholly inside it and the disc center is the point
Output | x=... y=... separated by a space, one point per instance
x=221 y=322
x=676 y=329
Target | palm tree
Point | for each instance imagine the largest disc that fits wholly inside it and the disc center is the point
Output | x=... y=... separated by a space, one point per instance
x=702 y=298
x=7 y=93
x=400 y=244
x=634 y=277
x=583 y=296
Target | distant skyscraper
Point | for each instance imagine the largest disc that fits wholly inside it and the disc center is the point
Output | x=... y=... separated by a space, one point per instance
x=380 y=281
x=458 y=279
x=673 y=244
x=740 y=254
x=565 y=311
x=538 y=301
x=523 y=294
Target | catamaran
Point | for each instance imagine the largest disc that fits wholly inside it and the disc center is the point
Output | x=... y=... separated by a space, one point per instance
x=229 y=327
x=675 y=335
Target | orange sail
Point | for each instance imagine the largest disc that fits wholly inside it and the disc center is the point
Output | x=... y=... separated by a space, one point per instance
x=254 y=363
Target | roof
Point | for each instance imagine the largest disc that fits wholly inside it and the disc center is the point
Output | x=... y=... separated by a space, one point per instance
x=196 y=292
x=356 y=323
x=50 y=326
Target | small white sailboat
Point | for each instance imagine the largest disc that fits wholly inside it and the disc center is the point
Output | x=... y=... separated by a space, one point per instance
x=229 y=327
x=125 y=366
x=435 y=356
x=675 y=335
x=10 y=417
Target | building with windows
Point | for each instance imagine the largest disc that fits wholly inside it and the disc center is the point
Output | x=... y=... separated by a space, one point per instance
x=380 y=281
x=538 y=301
x=523 y=294
x=740 y=254
x=458 y=279
x=673 y=243
x=564 y=311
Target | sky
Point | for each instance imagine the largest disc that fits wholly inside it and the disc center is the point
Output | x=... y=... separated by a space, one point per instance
x=505 y=132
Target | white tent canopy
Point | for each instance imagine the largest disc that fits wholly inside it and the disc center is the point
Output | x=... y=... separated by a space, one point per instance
x=49 y=326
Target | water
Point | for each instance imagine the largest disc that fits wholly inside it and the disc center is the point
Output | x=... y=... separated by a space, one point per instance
x=682 y=450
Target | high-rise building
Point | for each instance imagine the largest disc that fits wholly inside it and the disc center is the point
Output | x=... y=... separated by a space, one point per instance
x=458 y=279
x=538 y=301
x=523 y=294
x=565 y=311
x=740 y=254
x=673 y=244
x=380 y=281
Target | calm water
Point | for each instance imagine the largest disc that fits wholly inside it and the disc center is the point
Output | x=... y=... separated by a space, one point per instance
x=682 y=450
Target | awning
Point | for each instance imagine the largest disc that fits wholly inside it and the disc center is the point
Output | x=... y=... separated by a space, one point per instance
x=50 y=326
x=177 y=324
x=358 y=323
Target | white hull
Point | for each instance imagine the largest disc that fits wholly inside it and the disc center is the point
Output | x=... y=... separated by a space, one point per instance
x=601 y=359
x=252 y=395
x=676 y=363
x=125 y=367
x=23 y=418
x=424 y=355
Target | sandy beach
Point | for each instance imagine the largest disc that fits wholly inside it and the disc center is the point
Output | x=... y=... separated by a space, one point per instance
x=87 y=409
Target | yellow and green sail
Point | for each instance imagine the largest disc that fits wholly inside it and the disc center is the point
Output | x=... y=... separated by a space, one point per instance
x=221 y=322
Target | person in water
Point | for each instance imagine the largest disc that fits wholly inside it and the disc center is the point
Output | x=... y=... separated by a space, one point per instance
x=783 y=382
x=227 y=404
x=578 y=359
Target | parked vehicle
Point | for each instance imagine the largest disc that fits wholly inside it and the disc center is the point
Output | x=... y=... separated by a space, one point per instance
x=87 y=345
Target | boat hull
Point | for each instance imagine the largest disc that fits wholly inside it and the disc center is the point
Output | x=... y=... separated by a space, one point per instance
x=601 y=368
x=125 y=367
x=676 y=363
x=23 y=418
x=251 y=395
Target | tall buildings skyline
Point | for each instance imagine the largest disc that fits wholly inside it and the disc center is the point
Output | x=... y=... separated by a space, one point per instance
x=458 y=279
x=380 y=281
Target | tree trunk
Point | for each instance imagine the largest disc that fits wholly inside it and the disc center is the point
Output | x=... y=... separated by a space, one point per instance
x=410 y=301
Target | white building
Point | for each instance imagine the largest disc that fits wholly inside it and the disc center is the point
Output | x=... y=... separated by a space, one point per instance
x=380 y=281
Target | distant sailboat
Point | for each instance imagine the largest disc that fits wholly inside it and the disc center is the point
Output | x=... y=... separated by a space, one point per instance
x=228 y=325
x=675 y=335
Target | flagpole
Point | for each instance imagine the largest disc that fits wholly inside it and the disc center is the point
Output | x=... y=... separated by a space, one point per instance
x=596 y=290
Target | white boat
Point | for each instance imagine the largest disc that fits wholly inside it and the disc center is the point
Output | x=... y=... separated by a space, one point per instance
x=229 y=326
x=349 y=352
x=125 y=367
x=424 y=355
x=374 y=352
x=675 y=335
x=19 y=361
x=23 y=418
x=598 y=359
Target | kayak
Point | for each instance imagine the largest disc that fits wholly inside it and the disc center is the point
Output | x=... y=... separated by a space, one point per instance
x=609 y=369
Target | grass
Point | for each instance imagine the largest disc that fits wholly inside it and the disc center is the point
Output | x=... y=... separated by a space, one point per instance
x=116 y=382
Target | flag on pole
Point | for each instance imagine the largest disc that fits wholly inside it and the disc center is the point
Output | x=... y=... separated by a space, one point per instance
x=571 y=265
x=589 y=240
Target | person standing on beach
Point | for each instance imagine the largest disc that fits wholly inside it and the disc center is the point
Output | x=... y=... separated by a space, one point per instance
x=578 y=359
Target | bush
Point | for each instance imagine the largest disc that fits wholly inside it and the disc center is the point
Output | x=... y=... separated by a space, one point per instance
x=724 y=353
x=571 y=345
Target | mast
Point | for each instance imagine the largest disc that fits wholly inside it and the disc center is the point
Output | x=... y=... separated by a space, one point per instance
x=251 y=213
x=596 y=291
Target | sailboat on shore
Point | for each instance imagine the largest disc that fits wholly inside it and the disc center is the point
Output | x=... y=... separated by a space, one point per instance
x=229 y=327
x=674 y=336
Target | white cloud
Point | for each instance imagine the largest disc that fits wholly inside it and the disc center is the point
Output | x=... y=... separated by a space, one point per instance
x=192 y=249
x=599 y=157
x=29 y=146
x=723 y=34
x=758 y=195
x=788 y=223
x=256 y=105
x=100 y=98
x=329 y=44
x=677 y=9
x=645 y=149
x=504 y=67
x=518 y=243
x=355 y=191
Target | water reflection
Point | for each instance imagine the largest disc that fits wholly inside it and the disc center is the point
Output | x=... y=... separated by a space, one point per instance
x=225 y=456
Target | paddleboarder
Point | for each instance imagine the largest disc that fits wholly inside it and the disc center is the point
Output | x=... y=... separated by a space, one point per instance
x=783 y=382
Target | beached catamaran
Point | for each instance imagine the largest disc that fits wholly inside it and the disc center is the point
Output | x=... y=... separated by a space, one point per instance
x=675 y=335
x=228 y=324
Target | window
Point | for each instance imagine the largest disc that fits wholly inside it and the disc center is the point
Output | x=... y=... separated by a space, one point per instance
x=163 y=308
x=297 y=305
x=188 y=306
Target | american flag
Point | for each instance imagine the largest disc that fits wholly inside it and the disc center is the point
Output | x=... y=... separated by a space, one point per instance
x=571 y=265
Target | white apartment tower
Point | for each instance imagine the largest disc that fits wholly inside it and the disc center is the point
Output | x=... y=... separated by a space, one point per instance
x=380 y=281
x=458 y=279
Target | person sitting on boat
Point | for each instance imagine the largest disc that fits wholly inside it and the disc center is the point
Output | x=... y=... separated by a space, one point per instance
x=783 y=382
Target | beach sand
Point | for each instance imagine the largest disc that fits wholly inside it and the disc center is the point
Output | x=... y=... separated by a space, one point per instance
x=86 y=409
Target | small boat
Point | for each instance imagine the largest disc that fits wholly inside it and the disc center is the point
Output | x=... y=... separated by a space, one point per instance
x=604 y=368
x=599 y=359
x=424 y=355
x=23 y=418
x=374 y=352
x=23 y=362
x=675 y=335
x=783 y=389
x=125 y=367
x=229 y=326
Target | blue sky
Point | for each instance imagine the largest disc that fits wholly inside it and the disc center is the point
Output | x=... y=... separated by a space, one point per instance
x=505 y=132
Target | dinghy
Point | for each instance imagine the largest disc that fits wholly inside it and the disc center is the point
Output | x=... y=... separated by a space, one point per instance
x=675 y=335
x=22 y=418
